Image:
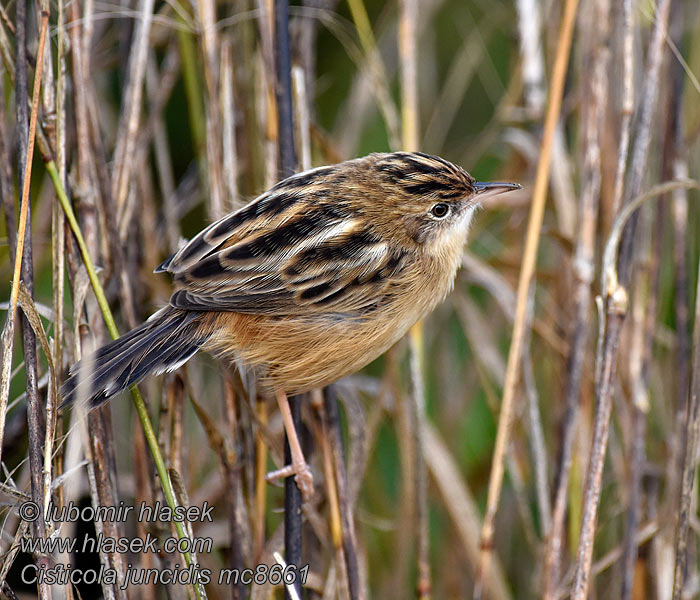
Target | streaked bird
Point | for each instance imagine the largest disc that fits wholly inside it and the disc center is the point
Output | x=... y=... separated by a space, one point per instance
x=308 y=283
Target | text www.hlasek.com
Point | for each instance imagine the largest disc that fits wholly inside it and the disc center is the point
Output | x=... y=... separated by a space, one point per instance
x=192 y=573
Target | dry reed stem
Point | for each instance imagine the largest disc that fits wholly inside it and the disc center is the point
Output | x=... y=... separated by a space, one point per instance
x=463 y=510
x=239 y=540
x=232 y=199
x=409 y=74
x=643 y=324
x=210 y=48
x=31 y=314
x=530 y=29
x=4 y=17
x=410 y=137
x=267 y=116
x=377 y=72
x=129 y=120
x=24 y=268
x=260 y=485
x=640 y=151
x=338 y=573
x=533 y=72
x=164 y=167
x=302 y=120
x=6 y=52
x=584 y=271
x=644 y=534
x=286 y=166
x=674 y=468
x=524 y=282
x=536 y=430
x=615 y=307
x=676 y=166
x=334 y=523
x=627 y=101
x=58 y=231
x=141 y=410
x=99 y=445
x=356 y=588
x=690 y=457
x=8 y=330
x=462 y=70
x=266 y=92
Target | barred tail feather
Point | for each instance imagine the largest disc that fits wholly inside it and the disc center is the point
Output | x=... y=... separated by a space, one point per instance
x=163 y=343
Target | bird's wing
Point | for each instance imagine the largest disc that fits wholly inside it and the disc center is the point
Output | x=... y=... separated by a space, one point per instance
x=284 y=254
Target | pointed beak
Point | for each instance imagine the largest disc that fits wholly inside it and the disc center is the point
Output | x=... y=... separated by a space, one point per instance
x=493 y=188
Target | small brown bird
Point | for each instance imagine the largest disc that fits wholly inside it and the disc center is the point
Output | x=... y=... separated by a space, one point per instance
x=308 y=283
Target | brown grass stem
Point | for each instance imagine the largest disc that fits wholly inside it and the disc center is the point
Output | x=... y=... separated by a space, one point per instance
x=287 y=165
x=584 y=270
x=36 y=421
x=692 y=426
x=377 y=71
x=524 y=282
x=356 y=588
x=139 y=403
x=410 y=136
x=614 y=305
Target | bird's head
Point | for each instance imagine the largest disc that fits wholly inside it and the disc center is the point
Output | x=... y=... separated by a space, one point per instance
x=424 y=199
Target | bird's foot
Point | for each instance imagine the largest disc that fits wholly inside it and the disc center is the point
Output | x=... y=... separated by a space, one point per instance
x=302 y=475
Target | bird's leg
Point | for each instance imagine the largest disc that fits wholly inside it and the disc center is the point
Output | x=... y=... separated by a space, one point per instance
x=299 y=466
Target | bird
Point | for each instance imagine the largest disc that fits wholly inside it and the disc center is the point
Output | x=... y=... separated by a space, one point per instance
x=309 y=282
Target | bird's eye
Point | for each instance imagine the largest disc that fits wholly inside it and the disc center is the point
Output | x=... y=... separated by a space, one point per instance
x=440 y=210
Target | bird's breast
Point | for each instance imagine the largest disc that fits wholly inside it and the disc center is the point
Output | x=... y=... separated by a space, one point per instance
x=301 y=352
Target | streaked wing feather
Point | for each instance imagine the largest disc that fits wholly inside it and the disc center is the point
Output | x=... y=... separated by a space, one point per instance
x=290 y=251
x=344 y=273
x=266 y=210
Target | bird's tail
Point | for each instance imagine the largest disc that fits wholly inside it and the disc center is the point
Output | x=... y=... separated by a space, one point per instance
x=163 y=343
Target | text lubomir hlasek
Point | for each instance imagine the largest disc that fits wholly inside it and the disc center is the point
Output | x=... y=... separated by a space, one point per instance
x=121 y=512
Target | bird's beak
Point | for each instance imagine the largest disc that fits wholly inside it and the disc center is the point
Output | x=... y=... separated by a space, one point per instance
x=492 y=188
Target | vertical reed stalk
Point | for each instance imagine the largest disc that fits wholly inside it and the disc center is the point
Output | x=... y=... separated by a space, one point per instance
x=524 y=282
